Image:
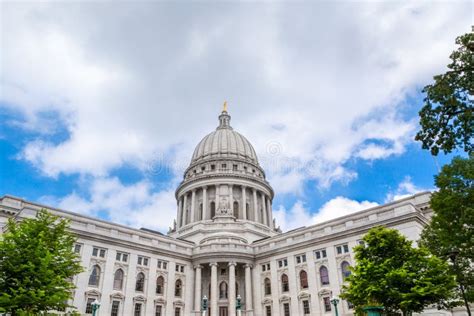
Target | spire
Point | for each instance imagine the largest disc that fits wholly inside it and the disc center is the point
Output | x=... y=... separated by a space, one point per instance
x=224 y=118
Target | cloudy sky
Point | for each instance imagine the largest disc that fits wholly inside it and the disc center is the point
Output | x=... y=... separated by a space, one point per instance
x=102 y=103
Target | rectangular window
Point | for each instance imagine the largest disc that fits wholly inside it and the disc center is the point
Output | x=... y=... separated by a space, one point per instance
x=138 y=309
x=306 y=310
x=98 y=252
x=142 y=261
x=177 y=268
x=162 y=264
x=224 y=166
x=320 y=254
x=77 y=248
x=165 y=265
x=182 y=269
x=346 y=248
x=282 y=263
x=342 y=249
x=286 y=309
x=327 y=304
x=177 y=311
x=121 y=256
x=159 y=310
x=234 y=167
x=89 y=305
x=115 y=308
x=213 y=167
x=268 y=310
x=300 y=259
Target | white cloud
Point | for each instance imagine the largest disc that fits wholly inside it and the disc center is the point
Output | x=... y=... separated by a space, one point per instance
x=134 y=205
x=405 y=189
x=298 y=215
x=136 y=80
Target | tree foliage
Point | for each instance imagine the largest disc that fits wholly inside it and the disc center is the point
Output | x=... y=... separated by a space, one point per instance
x=390 y=272
x=37 y=263
x=452 y=225
x=447 y=118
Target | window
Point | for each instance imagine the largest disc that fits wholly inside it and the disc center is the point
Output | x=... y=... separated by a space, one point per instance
x=268 y=310
x=118 y=279
x=120 y=256
x=306 y=310
x=159 y=310
x=300 y=259
x=162 y=264
x=345 y=269
x=265 y=267
x=160 y=285
x=286 y=309
x=177 y=311
x=203 y=168
x=303 y=279
x=320 y=254
x=236 y=209
x=327 y=304
x=89 y=305
x=282 y=263
x=234 y=167
x=268 y=286
x=138 y=309
x=284 y=283
x=213 y=167
x=142 y=261
x=94 y=277
x=213 y=209
x=178 y=287
x=224 y=166
x=223 y=290
x=98 y=252
x=140 y=284
x=179 y=268
x=77 y=248
x=342 y=249
x=324 y=275
x=115 y=308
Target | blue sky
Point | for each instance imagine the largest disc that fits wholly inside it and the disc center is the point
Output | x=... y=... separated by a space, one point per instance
x=102 y=104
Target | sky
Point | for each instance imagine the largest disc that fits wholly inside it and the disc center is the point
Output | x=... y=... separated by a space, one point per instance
x=102 y=103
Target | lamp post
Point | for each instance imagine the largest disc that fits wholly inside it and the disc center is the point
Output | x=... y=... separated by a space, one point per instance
x=334 y=301
x=204 y=305
x=238 y=305
x=453 y=256
x=95 y=306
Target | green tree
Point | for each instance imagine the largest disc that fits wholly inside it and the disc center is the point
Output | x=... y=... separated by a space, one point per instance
x=37 y=262
x=447 y=118
x=451 y=229
x=390 y=272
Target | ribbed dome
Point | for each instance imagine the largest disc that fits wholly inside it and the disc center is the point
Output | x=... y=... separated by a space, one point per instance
x=224 y=142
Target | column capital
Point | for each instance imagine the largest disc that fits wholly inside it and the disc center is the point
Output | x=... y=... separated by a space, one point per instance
x=232 y=263
x=197 y=266
x=204 y=187
x=248 y=265
x=194 y=191
x=212 y=264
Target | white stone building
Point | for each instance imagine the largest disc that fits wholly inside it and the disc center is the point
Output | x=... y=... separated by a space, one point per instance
x=224 y=243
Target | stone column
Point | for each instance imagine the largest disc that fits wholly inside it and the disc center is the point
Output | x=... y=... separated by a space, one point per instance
x=214 y=293
x=231 y=199
x=244 y=202
x=197 y=289
x=255 y=205
x=248 y=287
x=217 y=197
x=193 y=206
x=179 y=220
x=270 y=214
x=232 y=293
x=264 y=211
x=185 y=208
x=204 y=203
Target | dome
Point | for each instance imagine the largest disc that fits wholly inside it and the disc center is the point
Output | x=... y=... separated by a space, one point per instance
x=224 y=142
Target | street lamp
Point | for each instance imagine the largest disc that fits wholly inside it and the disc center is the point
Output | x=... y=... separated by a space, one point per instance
x=334 y=301
x=204 y=305
x=453 y=256
x=238 y=305
x=95 y=306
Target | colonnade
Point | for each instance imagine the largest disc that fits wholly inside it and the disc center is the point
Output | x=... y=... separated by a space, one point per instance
x=213 y=299
x=189 y=214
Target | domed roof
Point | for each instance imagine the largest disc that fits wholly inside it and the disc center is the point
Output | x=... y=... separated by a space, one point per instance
x=224 y=142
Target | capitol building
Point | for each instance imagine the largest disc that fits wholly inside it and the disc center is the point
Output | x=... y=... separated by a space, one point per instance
x=223 y=245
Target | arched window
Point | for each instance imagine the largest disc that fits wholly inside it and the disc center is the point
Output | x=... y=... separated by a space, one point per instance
x=223 y=290
x=94 y=278
x=303 y=279
x=284 y=283
x=324 y=275
x=247 y=210
x=160 y=285
x=345 y=269
x=178 y=288
x=140 y=284
x=213 y=209
x=200 y=212
x=118 y=279
x=268 y=286
x=236 y=209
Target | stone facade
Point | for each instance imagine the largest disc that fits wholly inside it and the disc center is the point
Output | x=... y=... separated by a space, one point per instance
x=224 y=244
